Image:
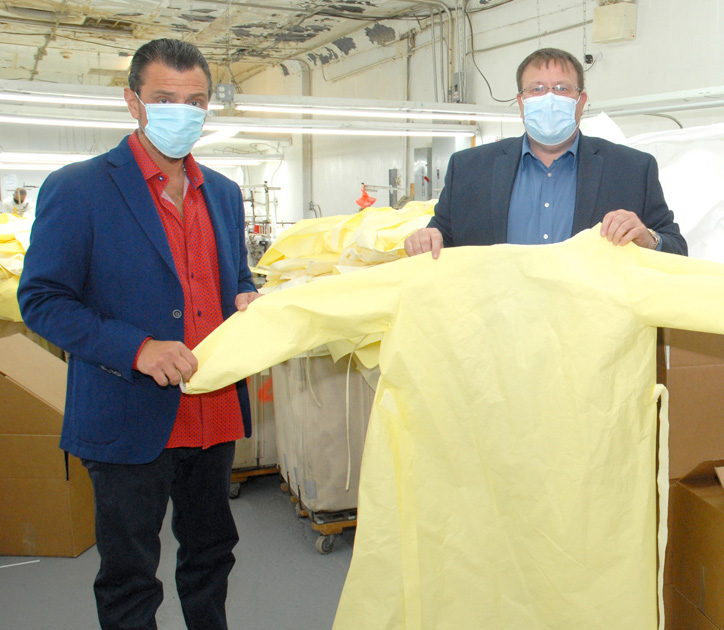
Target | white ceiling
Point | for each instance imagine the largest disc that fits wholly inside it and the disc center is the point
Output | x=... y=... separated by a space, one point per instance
x=90 y=42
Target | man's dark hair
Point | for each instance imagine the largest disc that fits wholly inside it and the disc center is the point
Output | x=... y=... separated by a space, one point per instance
x=543 y=57
x=173 y=53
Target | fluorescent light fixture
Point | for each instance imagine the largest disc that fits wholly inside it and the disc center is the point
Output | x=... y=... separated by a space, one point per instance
x=45 y=158
x=346 y=128
x=451 y=133
x=69 y=99
x=373 y=108
x=357 y=132
x=378 y=113
x=10 y=160
x=14 y=161
x=29 y=166
x=233 y=125
x=62 y=100
x=216 y=136
x=67 y=122
x=227 y=163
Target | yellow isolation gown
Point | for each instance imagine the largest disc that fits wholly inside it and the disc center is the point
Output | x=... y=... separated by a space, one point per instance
x=509 y=474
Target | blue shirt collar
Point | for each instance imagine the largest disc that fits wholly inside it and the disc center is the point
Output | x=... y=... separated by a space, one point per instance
x=573 y=149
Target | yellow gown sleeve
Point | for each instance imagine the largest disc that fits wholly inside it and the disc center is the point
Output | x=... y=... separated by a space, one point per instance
x=281 y=325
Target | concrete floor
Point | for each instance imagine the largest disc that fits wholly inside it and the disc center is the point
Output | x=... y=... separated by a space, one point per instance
x=280 y=582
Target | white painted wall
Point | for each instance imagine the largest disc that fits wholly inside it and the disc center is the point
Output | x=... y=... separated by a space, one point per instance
x=678 y=46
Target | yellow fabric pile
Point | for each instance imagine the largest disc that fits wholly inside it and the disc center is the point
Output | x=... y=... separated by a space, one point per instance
x=314 y=248
x=332 y=245
x=14 y=241
x=509 y=474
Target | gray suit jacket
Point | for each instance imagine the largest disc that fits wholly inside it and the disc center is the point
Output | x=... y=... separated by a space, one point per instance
x=473 y=206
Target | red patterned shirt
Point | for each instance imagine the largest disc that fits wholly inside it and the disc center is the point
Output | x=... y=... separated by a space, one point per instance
x=206 y=419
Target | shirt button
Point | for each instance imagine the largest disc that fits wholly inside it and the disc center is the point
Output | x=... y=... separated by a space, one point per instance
x=545 y=236
x=177 y=314
x=546 y=204
x=550 y=175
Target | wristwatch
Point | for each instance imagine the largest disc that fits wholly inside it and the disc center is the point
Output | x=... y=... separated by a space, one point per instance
x=656 y=237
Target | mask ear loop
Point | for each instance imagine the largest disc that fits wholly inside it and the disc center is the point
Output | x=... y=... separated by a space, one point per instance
x=140 y=129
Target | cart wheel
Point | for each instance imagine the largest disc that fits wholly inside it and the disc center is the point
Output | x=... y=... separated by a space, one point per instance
x=299 y=511
x=234 y=490
x=324 y=544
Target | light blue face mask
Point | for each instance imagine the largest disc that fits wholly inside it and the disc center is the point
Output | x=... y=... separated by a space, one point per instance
x=173 y=128
x=550 y=119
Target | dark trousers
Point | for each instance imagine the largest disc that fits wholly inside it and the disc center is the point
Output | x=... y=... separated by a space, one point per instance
x=131 y=501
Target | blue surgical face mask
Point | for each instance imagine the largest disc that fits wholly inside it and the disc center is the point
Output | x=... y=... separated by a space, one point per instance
x=173 y=128
x=550 y=119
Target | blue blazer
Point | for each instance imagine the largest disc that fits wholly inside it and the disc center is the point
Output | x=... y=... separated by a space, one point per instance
x=473 y=206
x=99 y=278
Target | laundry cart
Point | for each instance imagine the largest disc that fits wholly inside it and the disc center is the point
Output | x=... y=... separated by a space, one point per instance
x=321 y=410
x=256 y=455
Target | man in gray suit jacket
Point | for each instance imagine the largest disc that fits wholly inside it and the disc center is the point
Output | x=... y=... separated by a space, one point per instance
x=552 y=182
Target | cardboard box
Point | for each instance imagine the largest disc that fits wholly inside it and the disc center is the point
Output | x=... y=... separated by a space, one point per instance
x=47 y=497
x=681 y=614
x=685 y=348
x=691 y=365
x=14 y=328
x=696 y=539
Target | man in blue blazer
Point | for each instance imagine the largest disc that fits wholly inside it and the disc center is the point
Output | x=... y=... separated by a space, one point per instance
x=135 y=256
x=552 y=182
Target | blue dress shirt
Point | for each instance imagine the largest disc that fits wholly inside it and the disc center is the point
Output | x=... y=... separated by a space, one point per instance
x=543 y=199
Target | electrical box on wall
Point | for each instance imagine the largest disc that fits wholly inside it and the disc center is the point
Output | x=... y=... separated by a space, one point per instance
x=442 y=149
x=614 y=23
x=393 y=181
x=423 y=170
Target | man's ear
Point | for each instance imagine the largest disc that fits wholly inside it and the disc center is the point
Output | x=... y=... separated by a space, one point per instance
x=134 y=107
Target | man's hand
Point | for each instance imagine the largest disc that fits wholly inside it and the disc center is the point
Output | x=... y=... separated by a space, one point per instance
x=244 y=299
x=423 y=241
x=166 y=361
x=621 y=227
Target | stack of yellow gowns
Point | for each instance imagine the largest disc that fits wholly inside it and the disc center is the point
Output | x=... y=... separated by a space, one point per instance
x=14 y=241
x=509 y=473
x=330 y=245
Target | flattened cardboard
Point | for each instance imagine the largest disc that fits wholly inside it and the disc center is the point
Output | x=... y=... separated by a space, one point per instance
x=696 y=416
x=34 y=370
x=686 y=348
x=697 y=541
x=691 y=365
x=681 y=614
x=47 y=501
x=19 y=328
x=47 y=517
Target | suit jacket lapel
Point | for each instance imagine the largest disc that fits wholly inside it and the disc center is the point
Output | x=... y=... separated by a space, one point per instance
x=223 y=251
x=505 y=169
x=125 y=172
x=590 y=168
